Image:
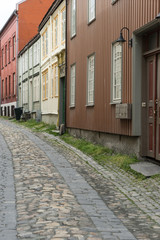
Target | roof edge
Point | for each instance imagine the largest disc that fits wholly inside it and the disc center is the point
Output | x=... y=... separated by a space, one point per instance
x=50 y=11
x=9 y=19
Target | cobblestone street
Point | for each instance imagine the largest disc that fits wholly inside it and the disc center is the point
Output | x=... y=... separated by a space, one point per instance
x=49 y=190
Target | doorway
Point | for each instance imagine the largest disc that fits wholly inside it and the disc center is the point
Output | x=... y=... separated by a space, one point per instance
x=153 y=106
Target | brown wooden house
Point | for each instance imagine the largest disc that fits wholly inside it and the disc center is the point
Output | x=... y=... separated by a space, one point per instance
x=114 y=86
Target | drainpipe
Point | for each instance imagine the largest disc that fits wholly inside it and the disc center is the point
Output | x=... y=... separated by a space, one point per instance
x=66 y=66
x=15 y=13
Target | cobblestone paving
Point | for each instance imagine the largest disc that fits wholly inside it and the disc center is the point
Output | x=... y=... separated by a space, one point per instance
x=7 y=194
x=127 y=197
x=59 y=196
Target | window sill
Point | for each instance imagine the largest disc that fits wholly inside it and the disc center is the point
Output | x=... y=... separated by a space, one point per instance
x=114 y=1
x=73 y=36
x=90 y=105
x=45 y=99
x=91 y=21
x=116 y=102
x=72 y=107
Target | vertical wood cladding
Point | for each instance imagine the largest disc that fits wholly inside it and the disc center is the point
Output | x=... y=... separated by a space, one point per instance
x=97 y=38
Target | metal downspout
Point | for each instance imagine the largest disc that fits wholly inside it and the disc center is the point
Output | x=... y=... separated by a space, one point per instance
x=66 y=68
x=16 y=58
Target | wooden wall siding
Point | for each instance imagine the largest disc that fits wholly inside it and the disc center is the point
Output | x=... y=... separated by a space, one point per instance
x=98 y=37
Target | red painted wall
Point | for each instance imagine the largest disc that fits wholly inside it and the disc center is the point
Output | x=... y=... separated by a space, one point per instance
x=31 y=12
x=9 y=66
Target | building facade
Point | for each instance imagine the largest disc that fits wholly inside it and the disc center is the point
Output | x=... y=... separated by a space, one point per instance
x=8 y=66
x=52 y=31
x=113 y=95
x=20 y=28
x=29 y=78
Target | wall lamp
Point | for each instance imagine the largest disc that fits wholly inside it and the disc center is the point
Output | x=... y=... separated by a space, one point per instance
x=121 y=38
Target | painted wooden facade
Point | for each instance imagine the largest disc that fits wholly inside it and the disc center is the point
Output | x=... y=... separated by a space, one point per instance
x=20 y=28
x=106 y=101
x=29 y=78
x=52 y=31
x=8 y=66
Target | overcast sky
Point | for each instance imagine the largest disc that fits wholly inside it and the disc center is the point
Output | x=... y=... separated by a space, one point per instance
x=6 y=9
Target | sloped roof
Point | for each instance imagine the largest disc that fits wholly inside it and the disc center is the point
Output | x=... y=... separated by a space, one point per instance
x=9 y=19
x=50 y=11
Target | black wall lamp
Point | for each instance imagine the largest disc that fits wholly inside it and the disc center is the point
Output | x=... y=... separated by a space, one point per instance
x=121 y=38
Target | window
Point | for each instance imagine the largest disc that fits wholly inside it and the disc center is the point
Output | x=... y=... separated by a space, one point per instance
x=3 y=58
x=56 y=32
x=54 y=83
x=63 y=24
x=73 y=18
x=30 y=58
x=35 y=54
x=23 y=63
x=36 y=89
x=45 y=44
x=9 y=51
x=6 y=87
x=72 y=85
x=2 y=88
x=25 y=92
x=5 y=55
x=45 y=85
x=91 y=10
x=14 y=47
x=14 y=84
x=90 y=80
x=9 y=85
x=38 y=52
x=116 y=72
x=26 y=61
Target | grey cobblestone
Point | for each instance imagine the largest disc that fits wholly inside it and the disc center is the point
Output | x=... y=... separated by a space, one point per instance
x=59 y=196
x=7 y=194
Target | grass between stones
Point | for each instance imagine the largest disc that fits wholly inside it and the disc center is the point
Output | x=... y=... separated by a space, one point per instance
x=102 y=155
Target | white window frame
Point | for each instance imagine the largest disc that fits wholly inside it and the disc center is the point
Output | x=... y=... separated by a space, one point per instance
x=117 y=64
x=56 y=80
x=35 y=54
x=45 y=85
x=14 y=84
x=36 y=88
x=90 y=80
x=14 y=46
x=72 y=85
x=56 y=31
x=63 y=28
x=91 y=10
x=45 y=44
x=30 y=58
x=73 y=17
